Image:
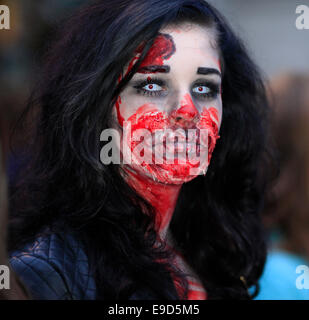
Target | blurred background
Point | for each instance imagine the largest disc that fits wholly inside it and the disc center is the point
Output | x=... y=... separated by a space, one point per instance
x=269 y=31
x=280 y=50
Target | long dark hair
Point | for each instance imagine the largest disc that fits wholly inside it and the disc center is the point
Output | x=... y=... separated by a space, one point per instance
x=216 y=224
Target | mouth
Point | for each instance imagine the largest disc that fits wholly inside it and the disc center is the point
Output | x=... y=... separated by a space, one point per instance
x=176 y=150
x=171 y=147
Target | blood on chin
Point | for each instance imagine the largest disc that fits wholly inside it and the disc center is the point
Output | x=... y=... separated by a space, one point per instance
x=165 y=173
x=177 y=172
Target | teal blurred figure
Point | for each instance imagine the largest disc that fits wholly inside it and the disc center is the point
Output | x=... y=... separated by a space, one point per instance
x=286 y=213
x=278 y=281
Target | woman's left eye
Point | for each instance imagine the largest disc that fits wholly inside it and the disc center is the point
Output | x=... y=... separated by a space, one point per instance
x=201 y=90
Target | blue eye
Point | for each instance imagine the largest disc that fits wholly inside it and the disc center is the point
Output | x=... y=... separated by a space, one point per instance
x=201 y=90
x=152 y=87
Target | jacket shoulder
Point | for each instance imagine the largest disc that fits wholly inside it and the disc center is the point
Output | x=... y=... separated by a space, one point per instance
x=54 y=267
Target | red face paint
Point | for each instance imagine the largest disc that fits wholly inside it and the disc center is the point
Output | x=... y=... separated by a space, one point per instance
x=210 y=121
x=186 y=117
x=148 y=117
x=186 y=114
x=162 y=49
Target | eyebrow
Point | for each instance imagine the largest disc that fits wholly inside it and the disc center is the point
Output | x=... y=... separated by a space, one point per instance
x=154 y=69
x=203 y=70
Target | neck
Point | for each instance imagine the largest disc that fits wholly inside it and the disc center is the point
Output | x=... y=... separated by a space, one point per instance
x=162 y=197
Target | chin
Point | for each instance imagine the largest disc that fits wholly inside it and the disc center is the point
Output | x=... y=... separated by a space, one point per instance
x=173 y=173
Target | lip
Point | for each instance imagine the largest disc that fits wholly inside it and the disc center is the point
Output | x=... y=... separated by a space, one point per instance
x=163 y=139
x=170 y=148
x=177 y=150
x=177 y=147
x=177 y=143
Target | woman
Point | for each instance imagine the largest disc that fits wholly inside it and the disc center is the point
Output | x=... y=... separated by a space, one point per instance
x=85 y=229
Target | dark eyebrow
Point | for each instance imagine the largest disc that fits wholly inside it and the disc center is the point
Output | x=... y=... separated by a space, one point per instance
x=154 y=69
x=202 y=70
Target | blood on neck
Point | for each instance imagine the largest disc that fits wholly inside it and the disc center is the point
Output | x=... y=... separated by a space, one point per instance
x=163 y=198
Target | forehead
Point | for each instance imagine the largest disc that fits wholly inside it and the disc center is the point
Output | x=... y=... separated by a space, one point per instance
x=192 y=35
x=192 y=39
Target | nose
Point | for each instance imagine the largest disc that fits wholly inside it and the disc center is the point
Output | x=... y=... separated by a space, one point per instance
x=187 y=114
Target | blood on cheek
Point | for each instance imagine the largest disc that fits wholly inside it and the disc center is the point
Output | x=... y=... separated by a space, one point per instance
x=210 y=120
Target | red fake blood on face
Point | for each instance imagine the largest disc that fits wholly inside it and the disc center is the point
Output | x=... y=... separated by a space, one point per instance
x=214 y=114
x=210 y=121
x=186 y=114
x=186 y=117
x=162 y=49
x=148 y=117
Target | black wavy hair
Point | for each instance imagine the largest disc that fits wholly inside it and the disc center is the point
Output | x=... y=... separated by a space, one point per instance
x=216 y=223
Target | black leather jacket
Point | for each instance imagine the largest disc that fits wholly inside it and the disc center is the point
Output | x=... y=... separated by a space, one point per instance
x=55 y=267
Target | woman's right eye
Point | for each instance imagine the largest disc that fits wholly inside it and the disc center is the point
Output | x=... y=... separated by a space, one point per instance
x=155 y=87
x=152 y=87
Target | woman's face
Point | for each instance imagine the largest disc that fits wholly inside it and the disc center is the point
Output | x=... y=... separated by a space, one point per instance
x=176 y=92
